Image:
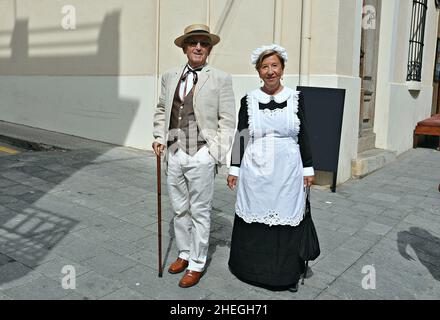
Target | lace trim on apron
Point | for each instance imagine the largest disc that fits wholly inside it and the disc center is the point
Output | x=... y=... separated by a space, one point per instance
x=271 y=218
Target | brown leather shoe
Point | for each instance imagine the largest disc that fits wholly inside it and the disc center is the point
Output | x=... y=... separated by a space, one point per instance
x=190 y=278
x=178 y=266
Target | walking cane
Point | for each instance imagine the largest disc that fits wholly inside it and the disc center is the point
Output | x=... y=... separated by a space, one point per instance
x=159 y=214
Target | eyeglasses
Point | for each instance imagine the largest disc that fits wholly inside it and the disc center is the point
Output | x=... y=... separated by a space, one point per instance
x=193 y=43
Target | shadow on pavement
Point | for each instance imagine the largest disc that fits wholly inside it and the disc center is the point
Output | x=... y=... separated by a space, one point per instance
x=36 y=213
x=425 y=245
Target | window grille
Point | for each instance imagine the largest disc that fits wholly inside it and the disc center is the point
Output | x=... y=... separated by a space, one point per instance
x=416 y=42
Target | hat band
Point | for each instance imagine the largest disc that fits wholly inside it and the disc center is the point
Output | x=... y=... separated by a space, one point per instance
x=198 y=31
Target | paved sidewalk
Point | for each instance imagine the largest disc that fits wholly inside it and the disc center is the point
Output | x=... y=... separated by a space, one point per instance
x=94 y=208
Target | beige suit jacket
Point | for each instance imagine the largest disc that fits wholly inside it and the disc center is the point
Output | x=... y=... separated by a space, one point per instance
x=214 y=109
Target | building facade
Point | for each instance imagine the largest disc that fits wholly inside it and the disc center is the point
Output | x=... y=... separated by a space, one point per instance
x=92 y=68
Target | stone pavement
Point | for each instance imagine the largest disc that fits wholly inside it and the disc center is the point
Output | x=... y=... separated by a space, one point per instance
x=94 y=208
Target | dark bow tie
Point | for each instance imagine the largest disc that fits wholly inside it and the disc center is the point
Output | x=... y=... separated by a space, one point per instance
x=272 y=105
x=194 y=72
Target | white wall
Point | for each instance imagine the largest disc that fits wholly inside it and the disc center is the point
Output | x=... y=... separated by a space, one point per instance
x=397 y=109
x=107 y=108
x=406 y=110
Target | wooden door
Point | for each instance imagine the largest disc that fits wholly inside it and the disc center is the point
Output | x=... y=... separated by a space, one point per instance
x=368 y=65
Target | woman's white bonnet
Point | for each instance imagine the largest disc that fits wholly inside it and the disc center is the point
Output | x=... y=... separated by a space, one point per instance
x=257 y=52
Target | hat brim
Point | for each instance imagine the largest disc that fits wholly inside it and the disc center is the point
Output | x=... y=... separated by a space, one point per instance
x=180 y=40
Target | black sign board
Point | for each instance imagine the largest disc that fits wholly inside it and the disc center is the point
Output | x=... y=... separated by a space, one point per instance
x=323 y=109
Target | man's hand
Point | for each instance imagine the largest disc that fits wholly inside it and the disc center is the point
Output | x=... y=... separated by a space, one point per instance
x=232 y=181
x=158 y=148
x=308 y=181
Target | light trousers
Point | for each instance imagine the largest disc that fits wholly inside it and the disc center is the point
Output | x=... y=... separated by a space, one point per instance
x=190 y=185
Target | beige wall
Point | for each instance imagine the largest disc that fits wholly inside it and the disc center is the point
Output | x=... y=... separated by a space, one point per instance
x=349 y=29
x=399 y=60
x=174 y=16
x=238 y=28
x=335 y=37
x=242 y=25
x=291 y=33
x=113 y=37
x=324 y=44
x=116 y=37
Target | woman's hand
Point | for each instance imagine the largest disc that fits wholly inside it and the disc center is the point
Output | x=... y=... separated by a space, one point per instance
x=308 y=181
x=232 y=181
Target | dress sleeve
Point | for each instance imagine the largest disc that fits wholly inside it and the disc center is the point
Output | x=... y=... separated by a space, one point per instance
x=303 y=140
x=241 y=138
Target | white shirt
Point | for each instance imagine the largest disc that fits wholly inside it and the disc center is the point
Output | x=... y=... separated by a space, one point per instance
x=189 y=82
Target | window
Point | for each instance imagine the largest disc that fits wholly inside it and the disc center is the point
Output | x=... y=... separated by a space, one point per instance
x=416 y=41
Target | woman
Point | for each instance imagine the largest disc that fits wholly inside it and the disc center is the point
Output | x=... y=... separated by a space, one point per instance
x=272 y=161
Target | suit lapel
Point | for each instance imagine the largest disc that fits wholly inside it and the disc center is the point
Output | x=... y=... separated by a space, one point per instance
x=174 y=81
x=203 y=77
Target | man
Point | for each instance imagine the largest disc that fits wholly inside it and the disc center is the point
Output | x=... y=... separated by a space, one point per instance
x=195 y=120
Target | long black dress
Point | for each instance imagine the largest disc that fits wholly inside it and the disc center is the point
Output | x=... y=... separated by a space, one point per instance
x=263 y=255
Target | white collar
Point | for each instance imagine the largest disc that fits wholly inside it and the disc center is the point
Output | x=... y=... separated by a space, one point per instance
x=189 y=68
x=280 y=97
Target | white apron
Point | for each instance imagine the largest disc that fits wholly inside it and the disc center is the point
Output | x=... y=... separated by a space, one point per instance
x=271 y=182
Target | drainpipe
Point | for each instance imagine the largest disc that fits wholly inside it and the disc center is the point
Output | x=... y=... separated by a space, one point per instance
x=306 y=36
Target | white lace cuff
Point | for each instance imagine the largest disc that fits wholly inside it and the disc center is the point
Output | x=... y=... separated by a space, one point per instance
x=308 y=171
x=234 y=171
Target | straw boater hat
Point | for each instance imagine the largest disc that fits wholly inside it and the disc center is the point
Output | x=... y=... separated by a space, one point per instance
x=197 y=30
